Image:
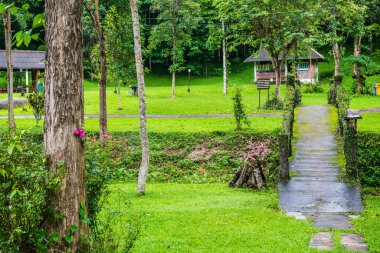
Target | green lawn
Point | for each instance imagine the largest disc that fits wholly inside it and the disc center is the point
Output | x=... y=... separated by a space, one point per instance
x=215 y=218
x=370 y=122
x=259 y=124
x=369 y=223
x=212 y=218
x=206 y=97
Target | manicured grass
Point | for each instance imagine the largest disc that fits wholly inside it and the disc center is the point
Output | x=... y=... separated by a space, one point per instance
x=215 y=218
x=258 y=124
x=369 y=222
x=370 y=122
x=364 y=102
x=212 y=218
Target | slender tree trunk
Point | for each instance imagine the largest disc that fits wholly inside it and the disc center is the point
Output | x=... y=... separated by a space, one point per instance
x=371 y=42
x=95 y=17
x=336 y=58
x=174 y=67
x=141 y=89
x=225 y=70
x=63 y=115
x=277 y=70
x=103 y=75
x=118 y=97
x=277 y=91
x=8 y=46
x=35 y=74
x=356 y=70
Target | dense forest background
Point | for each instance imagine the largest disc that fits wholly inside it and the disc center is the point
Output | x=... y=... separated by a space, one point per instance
x=197 y=27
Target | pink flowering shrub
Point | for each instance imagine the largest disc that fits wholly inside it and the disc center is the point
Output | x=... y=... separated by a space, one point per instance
x=80 y=132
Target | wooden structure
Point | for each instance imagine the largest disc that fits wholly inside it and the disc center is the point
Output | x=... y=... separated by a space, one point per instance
x=263 y=84
x=352 y=117
x=25 y=60
x=307 y=68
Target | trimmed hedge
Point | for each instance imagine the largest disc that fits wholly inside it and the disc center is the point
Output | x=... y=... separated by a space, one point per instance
x=369 y=159
x=293 y=99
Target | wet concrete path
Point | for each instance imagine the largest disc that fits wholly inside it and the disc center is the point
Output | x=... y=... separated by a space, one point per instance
x=315 y=188
x=315 y=191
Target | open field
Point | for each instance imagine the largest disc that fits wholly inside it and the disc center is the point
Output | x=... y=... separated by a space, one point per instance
x=258 y=124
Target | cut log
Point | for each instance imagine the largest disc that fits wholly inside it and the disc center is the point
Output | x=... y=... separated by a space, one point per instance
x=251 y=176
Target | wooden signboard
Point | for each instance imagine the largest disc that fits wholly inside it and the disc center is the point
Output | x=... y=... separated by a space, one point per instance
x=262 y=84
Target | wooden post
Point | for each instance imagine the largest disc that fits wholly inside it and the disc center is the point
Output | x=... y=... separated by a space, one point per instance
x=259 y=98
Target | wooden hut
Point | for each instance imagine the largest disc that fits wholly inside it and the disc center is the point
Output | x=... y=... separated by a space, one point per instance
x=25 y=60
x=307 y=68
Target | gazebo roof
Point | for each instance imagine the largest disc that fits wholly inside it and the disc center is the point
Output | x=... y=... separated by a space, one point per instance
x=262 y=56
x=24 y=59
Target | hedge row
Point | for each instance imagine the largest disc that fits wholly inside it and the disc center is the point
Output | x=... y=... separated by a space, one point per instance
x=369 y=159
x=293 y=98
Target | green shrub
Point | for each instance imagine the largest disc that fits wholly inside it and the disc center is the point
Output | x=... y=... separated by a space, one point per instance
x=313 y=88
x=273 y=104
x=36 y=101
x=342 y=104
x=24 y=187
x=239 y=113
x=369 y=159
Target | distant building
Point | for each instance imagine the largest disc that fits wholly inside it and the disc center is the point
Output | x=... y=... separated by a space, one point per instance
x=25 y=61
x=307 y=72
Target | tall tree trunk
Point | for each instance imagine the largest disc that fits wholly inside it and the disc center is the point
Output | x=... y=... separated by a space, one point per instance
x=336 y=58
x=141 y=88
x=277 y=91
x=225 y=70
x=277 y=70
x=95 y=17
x=356 y=70
x=63 y=115
x=174 y=62
x=8 y=46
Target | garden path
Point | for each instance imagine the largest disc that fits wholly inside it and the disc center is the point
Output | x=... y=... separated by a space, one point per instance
x=315 y=191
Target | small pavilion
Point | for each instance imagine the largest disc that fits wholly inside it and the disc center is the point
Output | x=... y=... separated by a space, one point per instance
x=307 y=68
x=25 y=61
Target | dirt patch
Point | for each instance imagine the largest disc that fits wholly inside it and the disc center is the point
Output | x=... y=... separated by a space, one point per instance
x=202 y=153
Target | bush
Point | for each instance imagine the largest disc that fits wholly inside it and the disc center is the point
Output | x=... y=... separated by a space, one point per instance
x=273 y=104
x=24 y=192
x=369 y=162
x=313 y=88
x=239 y=113
x=36 y=101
